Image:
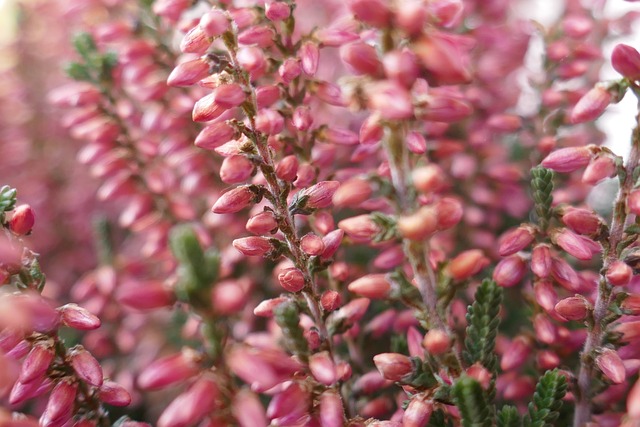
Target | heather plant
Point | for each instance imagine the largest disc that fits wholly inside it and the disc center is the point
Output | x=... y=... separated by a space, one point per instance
x=323 y=214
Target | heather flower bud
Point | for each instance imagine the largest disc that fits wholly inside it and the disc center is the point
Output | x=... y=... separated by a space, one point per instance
x=291 y=279
x=611 y=366
x=320 y=195
x=312 y=244
x=480 y=374
x=350 y=313
x=247 y=409
x=352 y=193
x=515 y=355
x=60 y=405
x=573 y=308
x=114 y=394
x=252 y=59
x=626 y=60
x=541 y=261
x=235 y=200
x=214 y=23
x=449 y=212
x=331 y=409
x=598 y=170
x=418 y=412
x=547 y=359
x=374 y=286
x=330 y=300
x=576 y=245
x=191 y=406
x=591 y=105
x=564 y=274
x=253 y=245
x=189 y=73
x=436 y=341
x=86 y=366
x=206 y=109
x=289 y=70
x=269 y=121
x=568 y=159
x=329 y=93
x=195 y=41
x=266 y=307
x=323 y=368
x=361 y=58
x=419 y=225
x=401 y=66
x=546 y=331
x=287 y=168
x=429 y=179
x=302 y=119
x=373 y=12
x=78 y=318
x=467 y=263
x=391 y=100
x=394 y=366
x=277 y=11
x=309 y=55
x=629 y=330
x=229 y=95
x=169 y=370
x=509 y=271
x=516 y=240
x=215 y=135
x=331 y=243
x=582 y=221
x=262 y=36
x=633 y=202
x=145 y=296
x=37 y=362
x=236 y=169
x=361 y=227
x=22 y=220
x=416 y=142
x=445 y=57
x=262 y=223
x=289 y=405
x=619 y=273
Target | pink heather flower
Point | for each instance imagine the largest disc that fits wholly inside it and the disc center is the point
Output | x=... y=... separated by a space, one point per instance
x=445 y=57
x=37 y=362
x=291 y=279
x=580 y=247
x=21 y=392
x=252 y=59
x=269 y=121
x=598 y=170
x=289 y=406
x=361 y=227
x=230 y=296
x=573 y=308
x=351 y=312
x=236 y=169
x=467 y=264
x=611 y=366
x=516 y=240
x=429 y=178
x=626 y=60
x=247 y=409
x=480 y=374
x=338 y=136
x=234 y=200
x=449 y=212
x=547 y=359
x=401 y=66
x=169 y=370
x=145 y=296
x=331 y=243
x=436 y=341
x=546 y=331
x=414 y=342
x=418 y=412
x=329 y=93
x=373 y=12
x=546 y=295
x=515 y=355
x=86 y=366
x=446 y=12
x=289 y=70
x=171 y=10
x=78 y=318
x=633 y=202
x=323 y=368
x=631 y=304
x=568 y=159
x=411 y=17
x=361 y=58
x=22 y=220
x=446 y=109
x=262 y=223
x=391 y=100
x=302 y=118
x=206 y=109
x=371 y=130
x=619 y=273
x=253 y=245
x=393 y=366
x=320 y=195
x=312 y=244
x=564 y=274
x=60 y=405
x=633 y=401
x=191 y=406
x=229 y=95
x=541 y=261
x=309 y=55
x=266 y=307
x=195 y=41
x=277 y=11
x=114 y=394
x=189 y=72
x=330 y=300
x=629 y=330
x=352 y=193
x=260 y=35
x=582 y=221
x=370 y=383
x=509 y=271
x=287 y=168
x=416 y=142
x=214 y=23
x=373 y=286
x=591 y=105
x=331 y=409
x=419 y=225
x=267 y=96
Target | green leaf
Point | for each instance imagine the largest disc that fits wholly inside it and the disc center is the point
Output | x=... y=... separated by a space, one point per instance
x=472 y=402
x=7 y=198
x=85 y=46
x=79 y=72
x=542 y=187
x=547 y=400
x=482 y=326
x=287 y=316
x=508 y=416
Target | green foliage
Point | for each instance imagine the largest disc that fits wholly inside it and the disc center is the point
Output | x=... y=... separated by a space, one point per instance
x=472 y=402
x=95 y=66
x=542 y=187
x=482 y=326
x=7 y=199
x=287 y=316
x=387 y=225
x=439 y=419
x=508 y=416
x=547 y=400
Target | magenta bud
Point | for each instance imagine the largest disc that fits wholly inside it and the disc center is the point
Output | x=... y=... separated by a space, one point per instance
x=633 y=401
x=206 y=109
x=330 y=300
x=189 y=72
x=629 y=330
x=631 y=304
x=361 y=227
x=77 y=317
x=582 y=221
x=352 y=193
x=416 y=142
x=229 y=95
x=598 y=170
x=21 y=392
x=418 y=412
x=253 y=245
x=320 y=195
x=568 y=159
x=235 y=200
x=37 y=362
x=277 y=11
x=564 y=274
x=393 y=366
x=266 y=307
x=436 y=341
x=331 y=409
x=515 y=355
x=60 y=405
x=323 y=368
x=235 y=169
x=145 y=296
x=215 y=135
x=252 y=59
x=361 y=58
x=289 y=406
x=546 y=331
x=401 y=66
x=516 y=240
x=309 y=55
x=467 y=264
x=312 y=244
x=114 y=394
x=509 y=271
x=429 y=178
x=195 y=41
x=192 y=405
x=611 y=366
x=260 y=35
x=626 y=60
x=247 y=409
x=480 y=374
x=619 y=273
x=331 y=243
x=633 y=202
x=373 y=12
x=289 y=70
x=267 y=96
x=86 y=366
x=374 y=286
x=287 y=168
x=22 y=220
x=547 y=359
x=302 y=119
x=351 y=312
x=169 y=370
x=541 y=261
x=591 y=105
x=391 y=100
x=291 y=279
x=573 y=308
x=445 y=57
x=269 y=121
x=579 y=246
x=546 y=295
x=214 y=23
x=262 y=223
x=371 y=130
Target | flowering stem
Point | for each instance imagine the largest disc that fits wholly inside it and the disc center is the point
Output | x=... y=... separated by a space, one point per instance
x=611 y=254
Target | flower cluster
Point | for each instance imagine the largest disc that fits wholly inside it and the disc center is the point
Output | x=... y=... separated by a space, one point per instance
x=324 y=214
